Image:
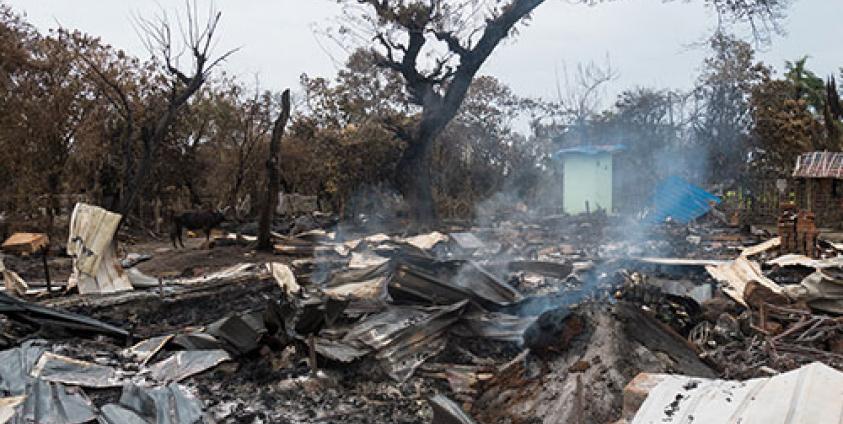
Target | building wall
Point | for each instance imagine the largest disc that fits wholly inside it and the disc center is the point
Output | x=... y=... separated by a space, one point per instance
x=824 y=197
x=587 y=178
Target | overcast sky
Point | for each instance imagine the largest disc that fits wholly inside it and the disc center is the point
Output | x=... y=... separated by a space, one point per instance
x=649 y=42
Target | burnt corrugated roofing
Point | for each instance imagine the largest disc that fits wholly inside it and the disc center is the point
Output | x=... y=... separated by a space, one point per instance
x=819 y=165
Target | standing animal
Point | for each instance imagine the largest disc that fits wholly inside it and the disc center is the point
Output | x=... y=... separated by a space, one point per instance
x=204 y=220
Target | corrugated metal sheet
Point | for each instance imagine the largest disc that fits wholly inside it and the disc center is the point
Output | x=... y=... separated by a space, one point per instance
x=819 y=165
x=736 y=275
x=681 y=201
x=809 y=395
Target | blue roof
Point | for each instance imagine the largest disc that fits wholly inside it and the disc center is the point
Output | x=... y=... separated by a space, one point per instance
x=591 y=150
x=681 y=201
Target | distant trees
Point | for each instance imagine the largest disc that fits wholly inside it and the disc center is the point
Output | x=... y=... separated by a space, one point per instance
x=739 y=120
x=45 y=103
x=231 y=124
x=793 y=114
x=81 y=116
x=724 y=89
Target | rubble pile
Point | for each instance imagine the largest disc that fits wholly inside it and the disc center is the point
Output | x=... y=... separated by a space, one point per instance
x=775 y=324
x=542 y=320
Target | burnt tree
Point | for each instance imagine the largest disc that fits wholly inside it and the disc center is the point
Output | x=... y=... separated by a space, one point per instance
x=160 y=109
x=441 y=90
x=273 y=175
x=404 y=31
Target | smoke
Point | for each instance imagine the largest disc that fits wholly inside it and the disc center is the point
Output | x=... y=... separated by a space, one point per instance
x=606 y=241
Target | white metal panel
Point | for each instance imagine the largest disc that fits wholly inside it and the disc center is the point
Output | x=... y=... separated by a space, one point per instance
x=812 y=394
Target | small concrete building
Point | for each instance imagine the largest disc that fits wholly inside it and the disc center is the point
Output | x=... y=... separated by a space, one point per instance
x=588 y=178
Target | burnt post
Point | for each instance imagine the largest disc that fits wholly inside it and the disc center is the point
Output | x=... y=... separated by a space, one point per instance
x=270 y=200
x=44 y=252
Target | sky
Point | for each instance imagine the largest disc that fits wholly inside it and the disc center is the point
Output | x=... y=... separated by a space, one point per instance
x=650 y=43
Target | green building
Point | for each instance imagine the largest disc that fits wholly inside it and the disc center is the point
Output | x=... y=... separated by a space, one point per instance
x=588 y=178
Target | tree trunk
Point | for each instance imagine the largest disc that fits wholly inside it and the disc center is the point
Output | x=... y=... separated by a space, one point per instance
x=438 y=110
x=234 y=197
x=273 y=175
x=52 y=201
x=414 y=179
x=134 y=186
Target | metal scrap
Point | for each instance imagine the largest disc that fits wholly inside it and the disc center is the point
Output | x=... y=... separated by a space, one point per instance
x=34 y=399
x=417 y=279
x=186 y=363
x=96 y=268
x=61 y=369
x=12 y=281
x=404 y=337
x=446 y=411
x=172 y=404
x=36 y=314
x=143 y=351
x=735 y=275
x=8 y=407
x=55 y=403
x=16 y=365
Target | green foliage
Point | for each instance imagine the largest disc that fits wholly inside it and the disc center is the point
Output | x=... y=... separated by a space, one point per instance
x=807 y=84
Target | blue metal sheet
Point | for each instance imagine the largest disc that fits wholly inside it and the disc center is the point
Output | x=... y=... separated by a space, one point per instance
x=681 y=201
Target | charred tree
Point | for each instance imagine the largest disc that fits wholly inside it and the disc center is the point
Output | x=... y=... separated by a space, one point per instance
x=270 y=201
x=162 y=110
x=441 y=91
x=402 y=29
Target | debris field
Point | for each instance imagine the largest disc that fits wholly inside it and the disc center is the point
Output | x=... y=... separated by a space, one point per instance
x=531 y=320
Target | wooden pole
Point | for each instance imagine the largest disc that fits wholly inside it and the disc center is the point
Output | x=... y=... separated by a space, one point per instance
x=44 y=252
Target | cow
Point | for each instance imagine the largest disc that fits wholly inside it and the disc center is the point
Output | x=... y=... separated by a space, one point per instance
x=203 y=220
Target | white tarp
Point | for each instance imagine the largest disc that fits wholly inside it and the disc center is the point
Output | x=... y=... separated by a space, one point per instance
x=809 y=395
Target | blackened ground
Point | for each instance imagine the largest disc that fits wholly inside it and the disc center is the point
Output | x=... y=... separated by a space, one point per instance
x=152 y=316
